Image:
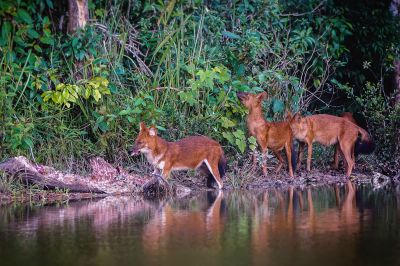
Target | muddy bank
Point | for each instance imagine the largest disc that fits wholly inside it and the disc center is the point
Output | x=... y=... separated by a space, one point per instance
x=316 y=178
x=320 y=176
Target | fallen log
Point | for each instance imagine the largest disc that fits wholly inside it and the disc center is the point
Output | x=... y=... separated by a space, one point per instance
x=27 y=172
x=103 y=179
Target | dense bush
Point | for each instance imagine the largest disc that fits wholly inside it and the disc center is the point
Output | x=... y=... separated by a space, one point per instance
x=174 y=64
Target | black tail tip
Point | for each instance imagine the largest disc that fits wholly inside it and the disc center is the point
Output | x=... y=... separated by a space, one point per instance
x=364 y=147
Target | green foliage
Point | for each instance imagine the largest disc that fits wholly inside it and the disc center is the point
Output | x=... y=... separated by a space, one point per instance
x=176 y=64
x=65 y=94
x=383 y=118
x=20 y=135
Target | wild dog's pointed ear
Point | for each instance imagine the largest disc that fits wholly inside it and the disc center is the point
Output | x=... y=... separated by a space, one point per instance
x=142 y=126
x=261 y=96
x=288 y=115
x=296 y=117
x=153 y=131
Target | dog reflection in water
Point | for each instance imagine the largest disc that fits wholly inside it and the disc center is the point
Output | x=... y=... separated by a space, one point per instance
x=294 y=213
x=199 y=226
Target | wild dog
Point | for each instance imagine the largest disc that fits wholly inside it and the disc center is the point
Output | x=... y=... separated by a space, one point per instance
x=189 y=153
x=329 y=130
x=275 y=136
x=348 y=116
x=335 y=165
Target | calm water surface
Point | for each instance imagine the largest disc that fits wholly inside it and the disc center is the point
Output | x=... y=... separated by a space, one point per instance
x=333 y=225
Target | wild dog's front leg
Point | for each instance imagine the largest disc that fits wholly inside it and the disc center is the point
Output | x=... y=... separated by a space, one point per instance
x=335 y=164
x=163 y=171
x=262 y=141
x=156 y=171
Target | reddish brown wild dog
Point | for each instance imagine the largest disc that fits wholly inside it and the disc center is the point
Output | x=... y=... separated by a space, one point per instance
x=275 y=136
x=329 y=130
x=348 y=116
x=194 y=152
x=335 y=165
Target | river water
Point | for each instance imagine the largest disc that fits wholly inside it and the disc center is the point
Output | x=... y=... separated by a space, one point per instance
x=331 y=225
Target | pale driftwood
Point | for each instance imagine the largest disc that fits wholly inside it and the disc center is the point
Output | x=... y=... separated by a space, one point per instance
x=21 y=168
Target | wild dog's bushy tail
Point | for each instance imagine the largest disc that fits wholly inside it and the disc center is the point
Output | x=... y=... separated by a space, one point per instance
x=364 y=143
x=222 y=165
x=294 y=156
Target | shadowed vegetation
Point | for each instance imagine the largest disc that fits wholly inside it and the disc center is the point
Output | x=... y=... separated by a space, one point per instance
x=179 y=64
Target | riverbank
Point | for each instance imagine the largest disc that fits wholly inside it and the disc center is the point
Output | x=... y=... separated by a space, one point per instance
x=44 y=184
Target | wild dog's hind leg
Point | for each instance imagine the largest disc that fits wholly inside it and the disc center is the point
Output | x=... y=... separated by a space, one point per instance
x=210 y=181
x=288 y=149
x=346 y=150
x=345 y=165
x=280 y=159
x=300 y=154
x=353 y=156
x=213 y=168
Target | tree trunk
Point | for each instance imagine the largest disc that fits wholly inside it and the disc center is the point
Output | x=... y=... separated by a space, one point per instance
x=78 y=13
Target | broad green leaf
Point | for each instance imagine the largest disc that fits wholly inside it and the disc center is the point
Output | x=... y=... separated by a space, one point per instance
x=239 y=134
x=96 y=95
x=230 y=35
x=5 y=31
x=227 y=123
x=125 y=112
x=37 y=48
x=241 y=145
x=47 y=40
x=49 y=3
x=228 y=136
x=33 y=34
x=278 y=106
x=28 y=142
x=24 y=16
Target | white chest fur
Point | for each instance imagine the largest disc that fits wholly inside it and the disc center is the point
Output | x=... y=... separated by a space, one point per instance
x=155 y=160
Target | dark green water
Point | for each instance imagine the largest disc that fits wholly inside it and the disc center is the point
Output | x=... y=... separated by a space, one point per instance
x=332 y=225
